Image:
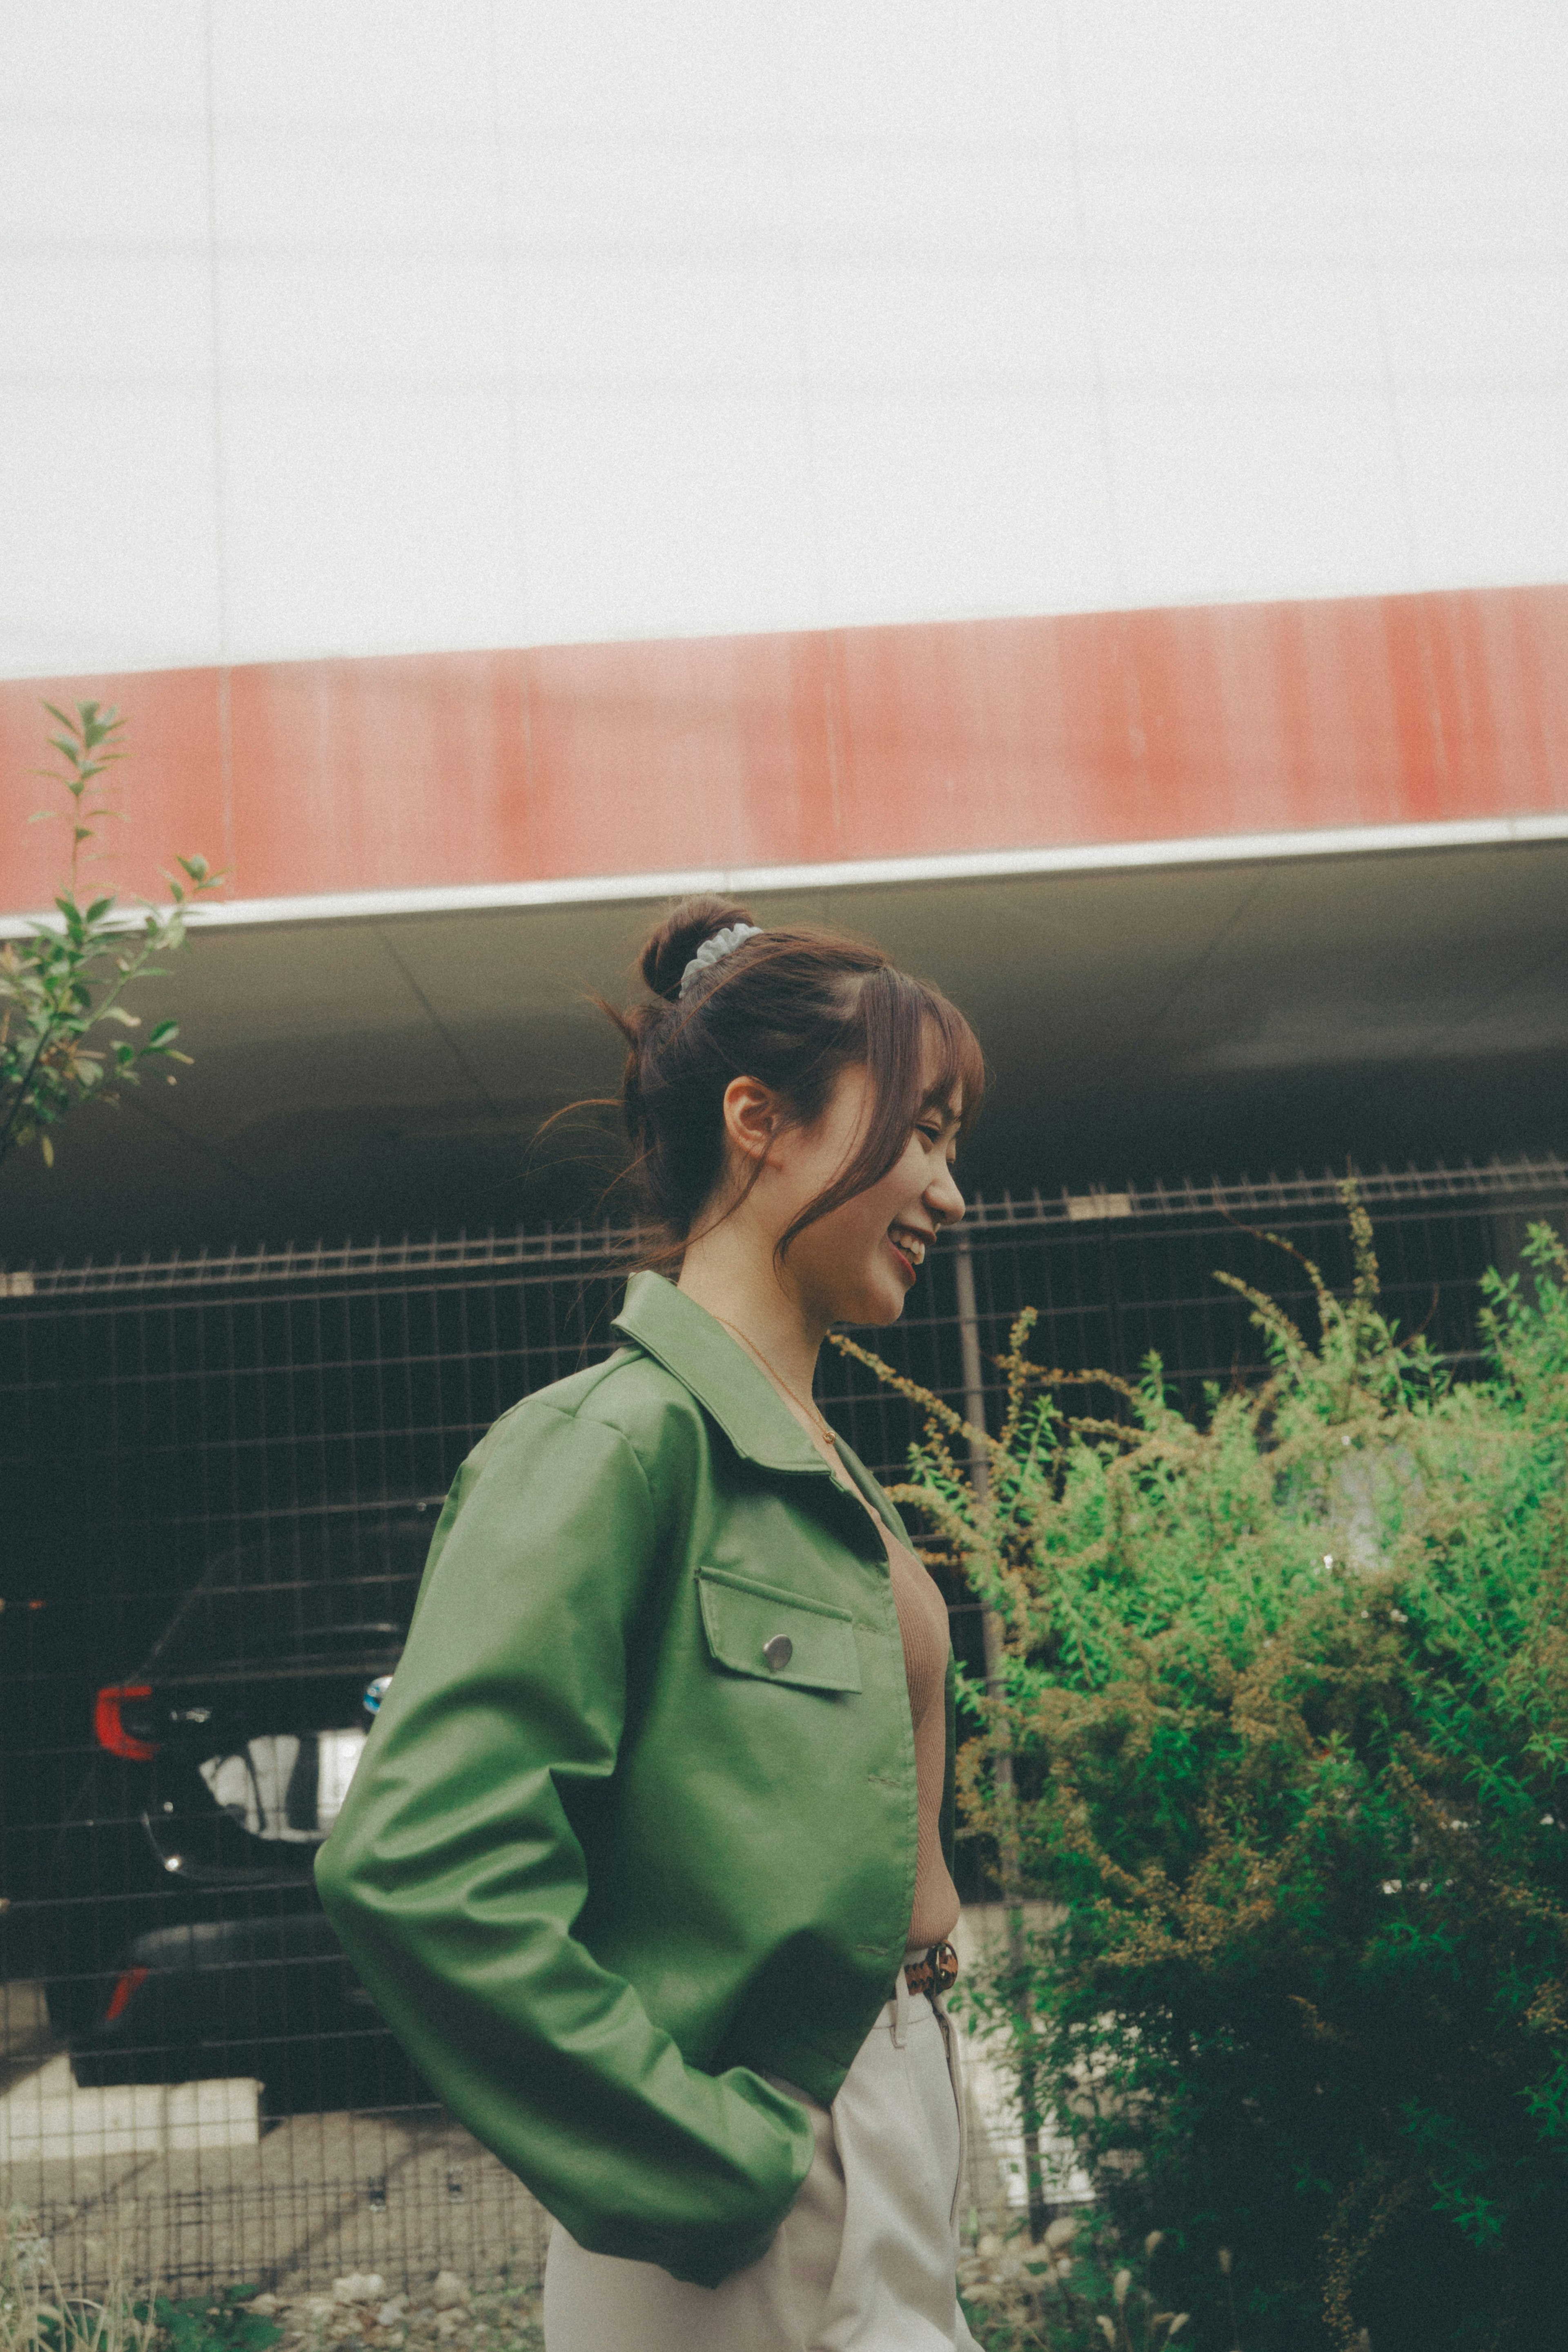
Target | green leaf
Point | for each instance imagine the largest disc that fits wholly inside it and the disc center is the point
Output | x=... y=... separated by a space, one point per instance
x=119 y=1012
x=162 y=1036
x=100 y=907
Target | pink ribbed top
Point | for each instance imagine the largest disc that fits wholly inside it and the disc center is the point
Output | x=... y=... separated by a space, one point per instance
x=923 y=1625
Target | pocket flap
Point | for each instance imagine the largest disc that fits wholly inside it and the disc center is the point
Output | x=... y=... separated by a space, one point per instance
x=760 y=1629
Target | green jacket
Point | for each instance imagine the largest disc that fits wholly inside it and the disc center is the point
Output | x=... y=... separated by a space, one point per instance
x=603 y=1867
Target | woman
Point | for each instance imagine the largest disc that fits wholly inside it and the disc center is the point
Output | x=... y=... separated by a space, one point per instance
x=647 y=1863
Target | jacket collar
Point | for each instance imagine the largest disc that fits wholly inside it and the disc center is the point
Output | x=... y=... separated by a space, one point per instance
x=689 y=1342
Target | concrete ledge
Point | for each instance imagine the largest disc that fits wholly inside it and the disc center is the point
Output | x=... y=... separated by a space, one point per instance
x=48 y=2114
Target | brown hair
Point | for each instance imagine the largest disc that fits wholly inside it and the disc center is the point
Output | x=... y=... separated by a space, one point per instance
x=791 y=1009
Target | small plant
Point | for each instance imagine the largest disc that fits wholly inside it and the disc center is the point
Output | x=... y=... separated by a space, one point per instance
x=61 y=988
x=507 y=2319
x=1077 y=2291
x=211 y=2323
x=24 y=2261
x=38 y=2314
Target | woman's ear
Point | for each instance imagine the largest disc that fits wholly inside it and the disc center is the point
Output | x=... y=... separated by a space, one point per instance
x=750 y=1118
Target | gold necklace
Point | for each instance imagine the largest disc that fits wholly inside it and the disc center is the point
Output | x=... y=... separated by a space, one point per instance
x=778 y=1379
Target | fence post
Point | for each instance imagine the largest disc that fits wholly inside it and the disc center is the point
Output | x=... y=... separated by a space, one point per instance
x=1008 y=1854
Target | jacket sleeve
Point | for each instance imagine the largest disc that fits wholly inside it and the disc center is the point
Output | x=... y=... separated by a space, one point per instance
x=453 y=1875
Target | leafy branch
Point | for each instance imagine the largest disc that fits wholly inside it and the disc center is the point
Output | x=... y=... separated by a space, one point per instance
x=61 y=988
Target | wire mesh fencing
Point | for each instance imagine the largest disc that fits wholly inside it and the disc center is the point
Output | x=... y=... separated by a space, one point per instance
x=220 y=1477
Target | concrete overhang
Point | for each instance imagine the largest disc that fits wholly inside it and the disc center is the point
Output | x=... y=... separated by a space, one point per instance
x=385 y=1063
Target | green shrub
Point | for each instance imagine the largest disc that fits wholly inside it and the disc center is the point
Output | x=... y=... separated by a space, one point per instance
x=1286 y=1684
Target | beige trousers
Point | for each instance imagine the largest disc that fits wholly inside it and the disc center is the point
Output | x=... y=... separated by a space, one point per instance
x=864 y=2259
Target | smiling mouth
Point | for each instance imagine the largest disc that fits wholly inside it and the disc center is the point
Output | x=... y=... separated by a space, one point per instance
x=909 y=1246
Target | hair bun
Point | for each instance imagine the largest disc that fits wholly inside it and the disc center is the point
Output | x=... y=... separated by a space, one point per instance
x=672 y=947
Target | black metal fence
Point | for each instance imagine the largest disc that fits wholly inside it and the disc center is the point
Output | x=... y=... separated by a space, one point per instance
x=219 y=1476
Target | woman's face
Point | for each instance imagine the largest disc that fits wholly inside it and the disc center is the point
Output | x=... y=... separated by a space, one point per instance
x=859 y=1263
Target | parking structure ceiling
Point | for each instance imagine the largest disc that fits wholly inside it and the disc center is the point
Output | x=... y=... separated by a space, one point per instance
x=376 y=1075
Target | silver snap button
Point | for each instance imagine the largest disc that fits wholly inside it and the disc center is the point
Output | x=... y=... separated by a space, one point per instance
x=779 y=1651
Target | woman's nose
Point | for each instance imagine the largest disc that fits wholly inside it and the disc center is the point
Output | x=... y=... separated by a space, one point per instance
x=944 y=1199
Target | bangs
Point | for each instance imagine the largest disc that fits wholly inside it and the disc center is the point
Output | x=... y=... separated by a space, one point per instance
x=960 y=1065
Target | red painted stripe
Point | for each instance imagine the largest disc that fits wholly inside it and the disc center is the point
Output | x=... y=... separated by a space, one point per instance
x=817 y=747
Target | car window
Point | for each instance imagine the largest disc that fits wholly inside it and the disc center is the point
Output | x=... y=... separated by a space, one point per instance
x=286 y=1787
x=317 y=1585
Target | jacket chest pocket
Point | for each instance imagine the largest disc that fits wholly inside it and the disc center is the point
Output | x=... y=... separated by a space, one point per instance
x=762 y=1630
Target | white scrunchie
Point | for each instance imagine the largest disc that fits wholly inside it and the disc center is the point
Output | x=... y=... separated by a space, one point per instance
x=708 y=954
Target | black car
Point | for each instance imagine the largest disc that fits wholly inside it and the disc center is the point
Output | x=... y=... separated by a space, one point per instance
x=184 y=1937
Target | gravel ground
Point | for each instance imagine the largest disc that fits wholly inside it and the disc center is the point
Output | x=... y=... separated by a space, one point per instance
x=448 y=2311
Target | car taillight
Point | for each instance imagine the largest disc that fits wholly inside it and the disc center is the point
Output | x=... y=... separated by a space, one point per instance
x=131 y=1980
x=111 y=1731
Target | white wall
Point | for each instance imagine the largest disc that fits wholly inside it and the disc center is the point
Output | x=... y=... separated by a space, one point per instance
x=378 y=325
